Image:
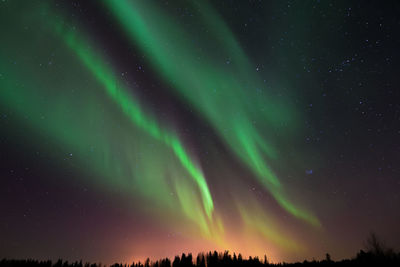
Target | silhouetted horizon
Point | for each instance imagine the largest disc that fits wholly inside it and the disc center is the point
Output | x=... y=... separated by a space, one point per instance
x=375 y=255
x=148 y=128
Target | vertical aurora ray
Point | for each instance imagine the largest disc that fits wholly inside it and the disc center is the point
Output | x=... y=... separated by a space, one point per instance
x=222 y=94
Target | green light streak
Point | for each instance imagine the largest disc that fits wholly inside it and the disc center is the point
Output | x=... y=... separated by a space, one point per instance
x=78 y=110
x=224 y=94
x=256 y=220
x=131 y=109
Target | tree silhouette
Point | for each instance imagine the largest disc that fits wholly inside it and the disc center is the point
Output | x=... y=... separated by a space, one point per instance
x=328 y=257
x=374 y=245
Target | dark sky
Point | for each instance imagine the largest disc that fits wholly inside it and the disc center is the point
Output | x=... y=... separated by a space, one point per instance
x=134 y=129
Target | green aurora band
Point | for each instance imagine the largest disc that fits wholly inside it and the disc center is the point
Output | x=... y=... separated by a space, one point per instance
x=72 y=131
x=94 y=117
x=202 y=77
x=132 y=110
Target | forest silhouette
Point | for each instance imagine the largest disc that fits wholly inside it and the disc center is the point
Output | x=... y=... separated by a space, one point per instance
x=375 y=254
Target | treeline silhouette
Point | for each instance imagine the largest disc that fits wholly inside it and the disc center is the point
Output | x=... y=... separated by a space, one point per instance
x=375 y=254
x=214 y=259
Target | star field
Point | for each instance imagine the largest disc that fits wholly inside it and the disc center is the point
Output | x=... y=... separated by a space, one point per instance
x=135 y=129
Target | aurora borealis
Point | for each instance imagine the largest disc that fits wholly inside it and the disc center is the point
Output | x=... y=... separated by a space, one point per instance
x=135 y=129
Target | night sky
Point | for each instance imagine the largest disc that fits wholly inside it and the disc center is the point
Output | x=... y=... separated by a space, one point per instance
x=135 y=129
